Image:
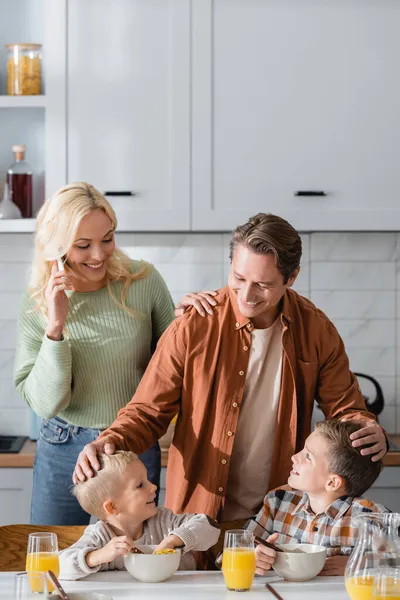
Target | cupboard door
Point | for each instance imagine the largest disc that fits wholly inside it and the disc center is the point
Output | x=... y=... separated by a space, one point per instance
x=15 y=495
x=296 y=96
x=128 y=107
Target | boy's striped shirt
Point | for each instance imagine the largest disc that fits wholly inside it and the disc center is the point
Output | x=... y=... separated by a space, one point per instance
x=288 y=513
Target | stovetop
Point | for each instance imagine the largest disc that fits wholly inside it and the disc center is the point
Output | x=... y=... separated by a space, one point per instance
x=11 y=444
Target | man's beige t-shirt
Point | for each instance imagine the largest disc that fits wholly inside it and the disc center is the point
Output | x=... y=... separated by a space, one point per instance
x=255 y=435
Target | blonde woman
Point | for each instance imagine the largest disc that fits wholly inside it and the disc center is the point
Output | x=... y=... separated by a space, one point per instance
x=86 y=332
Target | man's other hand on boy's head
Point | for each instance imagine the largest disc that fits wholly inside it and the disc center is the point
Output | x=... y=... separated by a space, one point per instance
x=88 y=462
x=265 y=557
x=372 y=435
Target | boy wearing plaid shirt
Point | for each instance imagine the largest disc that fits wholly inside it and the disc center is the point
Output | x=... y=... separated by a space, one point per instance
x=322 y=498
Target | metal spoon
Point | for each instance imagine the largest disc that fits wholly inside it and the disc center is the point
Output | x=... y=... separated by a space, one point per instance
x=61 y=592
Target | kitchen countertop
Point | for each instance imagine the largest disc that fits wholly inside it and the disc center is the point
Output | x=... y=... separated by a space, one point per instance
x=200 y=585
x=25 y=458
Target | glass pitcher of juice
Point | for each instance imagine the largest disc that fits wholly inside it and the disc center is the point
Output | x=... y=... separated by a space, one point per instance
x=387 y=585
x=377 y=549
x=42 y=556
x=238 y=560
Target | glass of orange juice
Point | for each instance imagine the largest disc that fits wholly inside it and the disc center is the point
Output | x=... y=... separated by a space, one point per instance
x=238 y=560
x=42 y=556
x=387 y=585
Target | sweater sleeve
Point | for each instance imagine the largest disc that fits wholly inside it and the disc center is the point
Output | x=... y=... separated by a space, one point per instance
x=197 y=532
x=162 y=313
x=157 y=399
x=43 y=368
x=73 y=559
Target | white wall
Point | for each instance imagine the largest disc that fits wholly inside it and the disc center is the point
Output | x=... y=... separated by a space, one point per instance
x=353 y=277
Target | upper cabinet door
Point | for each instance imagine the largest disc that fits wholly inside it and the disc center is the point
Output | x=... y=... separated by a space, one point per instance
x=295 y=111
x=128 y=107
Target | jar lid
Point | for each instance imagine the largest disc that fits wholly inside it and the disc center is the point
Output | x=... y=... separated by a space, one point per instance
x=19 y=148
x=25 y=46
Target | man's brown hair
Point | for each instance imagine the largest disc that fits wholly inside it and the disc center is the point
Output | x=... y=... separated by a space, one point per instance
x=268 y=234
x=358 y=472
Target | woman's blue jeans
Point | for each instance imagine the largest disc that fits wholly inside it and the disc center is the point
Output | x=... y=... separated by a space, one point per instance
x=57 y=450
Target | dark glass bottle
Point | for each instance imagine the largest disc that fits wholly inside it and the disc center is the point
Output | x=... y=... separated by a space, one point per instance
x=19 y=179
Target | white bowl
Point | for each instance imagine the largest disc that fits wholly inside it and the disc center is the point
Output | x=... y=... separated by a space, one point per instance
x=152 y=568
x=300 y=566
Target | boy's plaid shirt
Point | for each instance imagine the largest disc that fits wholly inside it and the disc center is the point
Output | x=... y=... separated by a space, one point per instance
x=288 y=512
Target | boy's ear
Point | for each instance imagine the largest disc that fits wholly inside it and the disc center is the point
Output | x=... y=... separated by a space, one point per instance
x=335 y=484
x=110 y=508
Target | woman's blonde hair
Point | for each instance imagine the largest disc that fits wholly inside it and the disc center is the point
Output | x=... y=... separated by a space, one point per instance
x=56 y=226
x=106 y=484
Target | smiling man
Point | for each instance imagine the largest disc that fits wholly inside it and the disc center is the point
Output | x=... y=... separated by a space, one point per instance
x=243 y=384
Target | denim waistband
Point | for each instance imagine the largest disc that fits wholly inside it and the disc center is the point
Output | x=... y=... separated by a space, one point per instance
x=73 y=428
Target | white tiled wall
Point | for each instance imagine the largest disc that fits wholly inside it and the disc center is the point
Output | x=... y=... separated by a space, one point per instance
x=353 y=277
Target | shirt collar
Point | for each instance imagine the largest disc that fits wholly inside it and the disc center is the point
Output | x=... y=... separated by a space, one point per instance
x=287 y=312
x=338 y=508
x=303 y=505
x=242 y=321
x=334 y=511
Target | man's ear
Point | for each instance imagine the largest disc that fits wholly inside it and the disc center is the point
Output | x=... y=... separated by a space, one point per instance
x=335 y=484
x=293 y=278
x=110 y=508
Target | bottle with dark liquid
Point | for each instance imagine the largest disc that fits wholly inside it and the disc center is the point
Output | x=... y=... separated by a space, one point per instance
x=19 y=179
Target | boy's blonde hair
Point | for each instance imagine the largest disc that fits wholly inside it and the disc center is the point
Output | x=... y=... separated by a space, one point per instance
x=106 y=483
x=56 y=226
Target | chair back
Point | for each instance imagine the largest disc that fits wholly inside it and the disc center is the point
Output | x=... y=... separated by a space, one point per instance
x=14 y=542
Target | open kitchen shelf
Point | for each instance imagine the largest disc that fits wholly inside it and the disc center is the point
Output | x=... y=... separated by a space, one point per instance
x=17 y=225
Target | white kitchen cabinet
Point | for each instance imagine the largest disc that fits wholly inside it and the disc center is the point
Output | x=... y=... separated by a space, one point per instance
x=291 y=96
x=15 y=495
x=128 y=107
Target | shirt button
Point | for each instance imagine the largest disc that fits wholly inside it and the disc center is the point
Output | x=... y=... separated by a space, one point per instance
x=315 y=528
x=220 y=489
x=241 y=372
x=245 y=348
x=230 y=433
x=235 y=404
x=237 y=325
x=223 y=461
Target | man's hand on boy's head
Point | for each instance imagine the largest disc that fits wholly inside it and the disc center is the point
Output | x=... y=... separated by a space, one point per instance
x=370 y=434
x=265 y=557
x=88 y=462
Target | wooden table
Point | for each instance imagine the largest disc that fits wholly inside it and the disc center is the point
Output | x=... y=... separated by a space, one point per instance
x=192 y=585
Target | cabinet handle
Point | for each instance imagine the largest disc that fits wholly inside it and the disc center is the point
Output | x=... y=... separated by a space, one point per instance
x=122 y=193
x=311 y=193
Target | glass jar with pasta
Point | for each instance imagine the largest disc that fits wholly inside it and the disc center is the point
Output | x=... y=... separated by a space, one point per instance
x=24 y=69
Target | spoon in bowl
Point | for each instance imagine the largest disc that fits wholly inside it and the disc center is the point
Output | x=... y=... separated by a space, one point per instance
x=259 y=540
